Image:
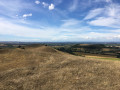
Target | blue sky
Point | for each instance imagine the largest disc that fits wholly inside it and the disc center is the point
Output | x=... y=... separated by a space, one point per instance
x=60 y=20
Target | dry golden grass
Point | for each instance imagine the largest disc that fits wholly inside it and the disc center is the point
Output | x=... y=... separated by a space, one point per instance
x=44 y=68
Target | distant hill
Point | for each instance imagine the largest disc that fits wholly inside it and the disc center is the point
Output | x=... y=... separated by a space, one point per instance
x=45 y=68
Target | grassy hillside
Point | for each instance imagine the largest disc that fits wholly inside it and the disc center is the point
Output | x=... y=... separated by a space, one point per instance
x=44 y=68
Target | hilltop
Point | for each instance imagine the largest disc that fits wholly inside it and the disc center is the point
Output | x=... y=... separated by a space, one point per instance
x=44 y=68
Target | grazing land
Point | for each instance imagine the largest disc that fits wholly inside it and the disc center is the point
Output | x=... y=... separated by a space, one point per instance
x=93 y=50
x=40 y=67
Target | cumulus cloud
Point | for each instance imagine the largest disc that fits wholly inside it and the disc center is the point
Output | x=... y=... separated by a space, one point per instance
x=51 y=7
x=27 y=15
x=37 y=2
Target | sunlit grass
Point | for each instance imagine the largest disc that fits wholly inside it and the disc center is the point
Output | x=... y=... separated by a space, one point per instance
x=97 y=56
x=103 y=58
x=44 y=68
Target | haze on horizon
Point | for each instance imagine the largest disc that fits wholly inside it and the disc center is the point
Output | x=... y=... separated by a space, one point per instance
x=60 y=20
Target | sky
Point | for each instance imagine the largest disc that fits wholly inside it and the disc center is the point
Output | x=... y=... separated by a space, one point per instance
x=60 y=20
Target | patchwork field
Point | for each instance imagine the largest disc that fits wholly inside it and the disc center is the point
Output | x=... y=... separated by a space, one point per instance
x=44 y=68
x=96 y=56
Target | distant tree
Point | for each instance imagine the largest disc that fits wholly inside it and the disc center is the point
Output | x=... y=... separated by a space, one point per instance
x=19 y=46
x=62 y=49
x=68 y=50
x=10 y=46
x=76 y=46
x=118 y=55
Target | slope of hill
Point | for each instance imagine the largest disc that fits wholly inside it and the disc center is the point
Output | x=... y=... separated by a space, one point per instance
x=44 y=68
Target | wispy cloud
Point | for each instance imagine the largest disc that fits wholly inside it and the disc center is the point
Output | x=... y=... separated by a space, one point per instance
x=70 y=22
x=113 y=10
x=107 y=1
x=45 y=4
x=89 y=36
x=24 y=31
x=94 y=13
x=74 y=5
x=12 y=8
x=108 y=16
x=103 y=21
x=57 y=2
x=56 y=34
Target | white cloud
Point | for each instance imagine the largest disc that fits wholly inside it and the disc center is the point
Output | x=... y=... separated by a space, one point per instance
x=11 y=8
x=73 y=6
x=113 y=10
x=108 y=1
x=102 y=21
x=55 y=34
x=88 y=36
x=27 y=15
x=70 y=22
x=37 y=2
x=44 y=4
x=9 y=28
x=94 y=13
x=106 y=21
x=59 y=38
x=109 y=16
x=51 y=7
x=57 y=2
